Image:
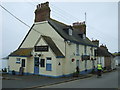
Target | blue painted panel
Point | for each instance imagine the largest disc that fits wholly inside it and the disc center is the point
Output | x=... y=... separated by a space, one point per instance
x=36 y=65
x=48 y=67
x=36 y=70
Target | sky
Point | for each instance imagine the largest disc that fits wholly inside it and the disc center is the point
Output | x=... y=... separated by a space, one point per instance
x=101 y=20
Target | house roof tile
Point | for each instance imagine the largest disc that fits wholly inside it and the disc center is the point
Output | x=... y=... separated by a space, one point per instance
x=22 y=52
x=59 y=27
x=103 y=52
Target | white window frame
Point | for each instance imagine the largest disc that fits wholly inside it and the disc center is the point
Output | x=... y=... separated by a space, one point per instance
x=70 y=32
x=18 y=60
x=91 y=51
x=77 y=50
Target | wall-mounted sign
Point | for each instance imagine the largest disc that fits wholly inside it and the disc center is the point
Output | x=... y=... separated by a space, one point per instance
x=85 y=57
x=41 y=48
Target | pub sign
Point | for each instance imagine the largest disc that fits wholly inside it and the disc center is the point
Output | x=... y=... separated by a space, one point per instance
x=41 y=48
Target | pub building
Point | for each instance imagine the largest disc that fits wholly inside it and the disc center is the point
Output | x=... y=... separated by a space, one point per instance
x=52 y=48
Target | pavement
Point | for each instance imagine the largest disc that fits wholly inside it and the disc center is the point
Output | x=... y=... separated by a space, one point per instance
x=106 y=82
x=35 y=81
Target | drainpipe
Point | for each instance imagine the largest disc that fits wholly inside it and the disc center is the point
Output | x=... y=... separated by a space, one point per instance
x=65 y=48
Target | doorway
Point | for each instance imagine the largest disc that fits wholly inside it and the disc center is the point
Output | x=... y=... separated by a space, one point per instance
x=36 y=65
x=23 y=63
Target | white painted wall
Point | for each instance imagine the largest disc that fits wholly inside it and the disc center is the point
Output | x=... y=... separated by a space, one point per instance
x=30 y=65
x=45 y=29
x=57 y=70
x=14 y=66
x=67 y=66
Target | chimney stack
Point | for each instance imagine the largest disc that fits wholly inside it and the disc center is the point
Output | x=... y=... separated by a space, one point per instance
x=104 y=47
x=96 y=42
x=80 y=26
x=42 y=13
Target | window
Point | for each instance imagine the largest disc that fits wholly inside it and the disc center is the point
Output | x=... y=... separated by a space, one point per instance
x=42 y=62
x=91 y=51
x=48 y=67
x=70 y=32
x=48 y=58
x=85 y=50
x=84 y=36
x=77 y=50
x=18 y=60
x=48 y=64
x=96 y=52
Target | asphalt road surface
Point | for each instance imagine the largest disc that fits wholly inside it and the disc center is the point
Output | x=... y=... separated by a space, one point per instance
x=108 y=80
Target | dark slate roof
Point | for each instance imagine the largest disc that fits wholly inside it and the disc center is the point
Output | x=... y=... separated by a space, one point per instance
x=22 y=52
x=103 y=52
x=53 y=47
x=59 y=27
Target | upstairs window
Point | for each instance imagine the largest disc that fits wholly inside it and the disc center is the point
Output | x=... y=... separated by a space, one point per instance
x=91 y=49
x=96 y=52
x=85 y=50
x=77 y=50
x=84 y=36
x=70 y=32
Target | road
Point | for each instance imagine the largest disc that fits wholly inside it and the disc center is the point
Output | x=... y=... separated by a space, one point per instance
x=108 y=80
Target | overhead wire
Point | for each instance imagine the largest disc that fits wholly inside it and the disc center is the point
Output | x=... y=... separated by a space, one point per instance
x=67 y=16
x=27 y=24
x=61 y=16
x=65 y=12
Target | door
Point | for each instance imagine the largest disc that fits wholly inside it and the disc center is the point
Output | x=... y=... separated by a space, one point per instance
x=21 y=69
x=48 y=64
x=36 y=65
x=23 y=63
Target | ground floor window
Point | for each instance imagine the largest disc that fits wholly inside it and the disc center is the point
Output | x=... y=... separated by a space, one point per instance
x=42 y=63
x=48 y=67
x=48 y=64
x=18 y=60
